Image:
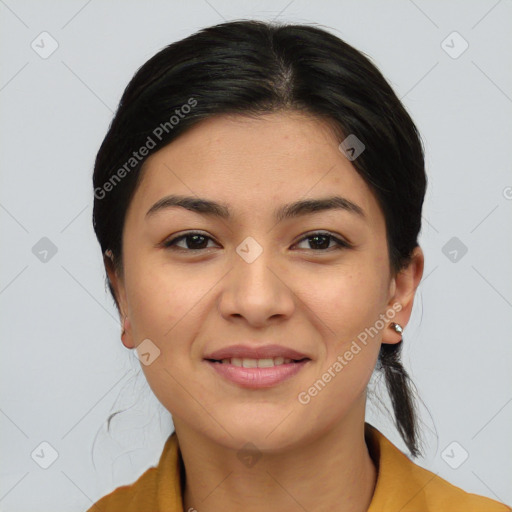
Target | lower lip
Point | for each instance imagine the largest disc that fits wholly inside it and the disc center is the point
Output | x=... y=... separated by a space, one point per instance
x=256 y=378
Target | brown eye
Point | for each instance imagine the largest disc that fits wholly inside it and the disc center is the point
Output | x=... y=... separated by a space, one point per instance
x=321 y=241
x=193 y=241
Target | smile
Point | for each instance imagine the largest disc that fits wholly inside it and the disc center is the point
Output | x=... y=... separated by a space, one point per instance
x=256 y=363
x=257 y=373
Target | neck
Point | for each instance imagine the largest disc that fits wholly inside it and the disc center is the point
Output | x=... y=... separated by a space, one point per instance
x=334 y=471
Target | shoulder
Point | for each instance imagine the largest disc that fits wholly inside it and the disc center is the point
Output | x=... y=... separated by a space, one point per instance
x=129 y=498
x=158 y=489
x=440 y=495
x=406 y=486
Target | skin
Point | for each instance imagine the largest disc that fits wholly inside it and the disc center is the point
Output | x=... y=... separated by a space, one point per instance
x=312 y=299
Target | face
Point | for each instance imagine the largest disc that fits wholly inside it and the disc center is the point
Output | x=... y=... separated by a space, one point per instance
x=195 y=284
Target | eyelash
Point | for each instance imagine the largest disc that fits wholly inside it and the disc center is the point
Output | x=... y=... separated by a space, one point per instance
x=341 y=244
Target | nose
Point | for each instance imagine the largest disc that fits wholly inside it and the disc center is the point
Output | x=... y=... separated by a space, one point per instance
x=257 y=290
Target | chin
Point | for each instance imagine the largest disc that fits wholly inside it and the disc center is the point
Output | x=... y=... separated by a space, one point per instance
x=269 y=431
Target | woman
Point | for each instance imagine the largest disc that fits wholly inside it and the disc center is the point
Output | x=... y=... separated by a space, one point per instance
x=258 y=200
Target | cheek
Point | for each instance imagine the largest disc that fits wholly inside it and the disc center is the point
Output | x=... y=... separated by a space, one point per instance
x=349 y=303
x=351 y=354
x=348 y=299
x=162 y=300
x=350 y=309
x=165 y=307
x=162 y=304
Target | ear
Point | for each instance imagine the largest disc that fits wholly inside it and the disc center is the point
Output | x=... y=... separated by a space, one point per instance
x=117 y=283
x=402 y=289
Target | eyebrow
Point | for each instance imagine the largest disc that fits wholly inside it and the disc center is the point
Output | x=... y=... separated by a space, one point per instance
x=287 y=211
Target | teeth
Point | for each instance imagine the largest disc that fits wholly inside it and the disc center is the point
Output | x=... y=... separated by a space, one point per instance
x=257 y=363
x=249 y=363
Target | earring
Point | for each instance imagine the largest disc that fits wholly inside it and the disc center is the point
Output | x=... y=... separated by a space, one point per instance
x=398 y=328
x=124 y=330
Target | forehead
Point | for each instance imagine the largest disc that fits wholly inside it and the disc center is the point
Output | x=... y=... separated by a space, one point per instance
x=254 y=164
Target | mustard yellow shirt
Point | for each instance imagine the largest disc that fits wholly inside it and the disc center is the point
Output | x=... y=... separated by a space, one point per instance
x=402 y=485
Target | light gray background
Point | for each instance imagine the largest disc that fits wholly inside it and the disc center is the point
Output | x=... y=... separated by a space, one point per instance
x=63 y=367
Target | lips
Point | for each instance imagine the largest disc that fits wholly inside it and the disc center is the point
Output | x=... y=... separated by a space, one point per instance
x=256 y=367
x=263 y=352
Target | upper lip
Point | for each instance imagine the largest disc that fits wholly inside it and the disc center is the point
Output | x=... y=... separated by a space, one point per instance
x=262 y=352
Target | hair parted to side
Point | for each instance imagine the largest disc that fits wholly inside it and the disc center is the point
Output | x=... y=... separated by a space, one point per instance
x=252 y=68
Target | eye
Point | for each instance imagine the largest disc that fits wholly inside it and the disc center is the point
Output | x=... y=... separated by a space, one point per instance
x=322 y=241
x=193 y=241
x=196 y=241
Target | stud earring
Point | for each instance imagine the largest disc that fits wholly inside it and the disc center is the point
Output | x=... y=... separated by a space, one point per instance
x=398 y=328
